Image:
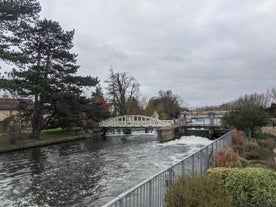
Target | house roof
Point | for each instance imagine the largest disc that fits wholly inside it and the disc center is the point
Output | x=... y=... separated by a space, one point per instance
x=10 y=103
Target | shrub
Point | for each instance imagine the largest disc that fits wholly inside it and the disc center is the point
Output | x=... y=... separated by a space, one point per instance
x=265 y=153
x=220 y=173
x=225 y=157
x=259 y=149
x=251 y=187
x=257 y=132
x=244 y=162
x=267 y=136
x=251 y=155
x=251 y=144
x=269 y=163
x=238 y=137
x=267 y=143
x=198 y=191
x=238 y=141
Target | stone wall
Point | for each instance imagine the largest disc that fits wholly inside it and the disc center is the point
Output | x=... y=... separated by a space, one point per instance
x=6 y=113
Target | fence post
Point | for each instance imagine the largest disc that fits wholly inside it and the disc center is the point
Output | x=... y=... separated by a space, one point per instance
x=201 y=163
x=206 y=158
x=150 y=193
x=183 y=168
x=193 y=164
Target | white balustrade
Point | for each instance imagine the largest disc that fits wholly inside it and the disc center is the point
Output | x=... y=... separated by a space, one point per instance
x=135 y=121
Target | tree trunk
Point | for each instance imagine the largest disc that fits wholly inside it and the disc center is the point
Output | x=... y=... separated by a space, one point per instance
x=35 y=134
x=36 y=120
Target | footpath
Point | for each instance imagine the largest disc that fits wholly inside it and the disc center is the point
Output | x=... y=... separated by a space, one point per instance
x=19 y=146
x=269 y=130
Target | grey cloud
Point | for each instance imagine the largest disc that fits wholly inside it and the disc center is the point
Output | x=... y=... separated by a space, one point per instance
x=208 y=52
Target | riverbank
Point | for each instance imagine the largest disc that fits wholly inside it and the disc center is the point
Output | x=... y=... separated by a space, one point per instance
x=30 y=143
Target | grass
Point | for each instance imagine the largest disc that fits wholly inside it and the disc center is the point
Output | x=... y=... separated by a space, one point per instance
x=55 y=134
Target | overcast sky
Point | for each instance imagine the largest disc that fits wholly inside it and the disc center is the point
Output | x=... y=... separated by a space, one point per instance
x=207 y=52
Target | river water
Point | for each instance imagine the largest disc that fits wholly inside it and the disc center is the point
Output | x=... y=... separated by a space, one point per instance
x=87 y=172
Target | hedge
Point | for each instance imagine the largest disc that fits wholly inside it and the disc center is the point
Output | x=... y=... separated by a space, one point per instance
x=252 y=187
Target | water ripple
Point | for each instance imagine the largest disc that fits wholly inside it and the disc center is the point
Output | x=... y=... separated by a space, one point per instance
x=86 y=172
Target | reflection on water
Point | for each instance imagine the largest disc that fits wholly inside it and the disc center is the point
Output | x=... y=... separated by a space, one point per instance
x=87 y=172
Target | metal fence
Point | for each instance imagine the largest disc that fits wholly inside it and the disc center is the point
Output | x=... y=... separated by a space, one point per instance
x=152 y=192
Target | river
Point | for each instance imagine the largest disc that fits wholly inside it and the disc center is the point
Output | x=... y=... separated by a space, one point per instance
x=87 y=172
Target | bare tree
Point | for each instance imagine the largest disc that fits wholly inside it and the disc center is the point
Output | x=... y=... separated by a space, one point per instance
x=121 y=88
x=255 y=99
x=273 y=94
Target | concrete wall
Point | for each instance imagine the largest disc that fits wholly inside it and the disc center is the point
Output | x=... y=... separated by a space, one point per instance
x=168 y=133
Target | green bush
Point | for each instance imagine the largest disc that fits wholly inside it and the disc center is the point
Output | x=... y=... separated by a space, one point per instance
x=244 y=162
x=251 y=144
x=257 y=132
x=264 y=153
x=246 y=187
x=219 y=173
x=252 y=187
x=198 y=191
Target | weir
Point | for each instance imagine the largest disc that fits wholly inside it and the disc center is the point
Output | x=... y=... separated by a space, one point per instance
x=174 y=132
x=204 y=124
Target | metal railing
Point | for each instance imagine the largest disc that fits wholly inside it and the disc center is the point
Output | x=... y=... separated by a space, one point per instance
x=152 y=192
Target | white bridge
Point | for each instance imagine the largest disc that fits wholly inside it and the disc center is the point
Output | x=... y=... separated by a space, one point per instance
x=135 y=121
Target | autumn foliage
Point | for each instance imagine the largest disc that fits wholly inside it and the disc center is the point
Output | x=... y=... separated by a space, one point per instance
x=226 y=157
x=238 y=141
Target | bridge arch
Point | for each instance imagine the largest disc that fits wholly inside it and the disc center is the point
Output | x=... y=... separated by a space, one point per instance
x=134 y=121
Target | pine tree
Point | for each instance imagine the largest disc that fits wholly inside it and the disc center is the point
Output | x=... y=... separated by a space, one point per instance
x=13 y=13
x=48 y=76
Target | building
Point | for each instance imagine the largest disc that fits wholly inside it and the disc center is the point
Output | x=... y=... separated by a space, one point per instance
x=8 y=107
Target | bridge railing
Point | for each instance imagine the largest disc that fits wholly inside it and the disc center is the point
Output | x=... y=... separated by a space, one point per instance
x=152 y=192
x=135 y=121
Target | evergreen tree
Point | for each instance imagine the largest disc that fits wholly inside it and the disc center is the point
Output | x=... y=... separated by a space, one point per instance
x=13 y=14
x=246 y=118
x=48 y=76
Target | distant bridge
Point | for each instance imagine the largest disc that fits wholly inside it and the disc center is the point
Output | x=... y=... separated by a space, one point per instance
x=206 y=118
x=207 y=124
x=135 y=121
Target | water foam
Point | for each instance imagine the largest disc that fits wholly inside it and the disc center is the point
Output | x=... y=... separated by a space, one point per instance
x=188 y=140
